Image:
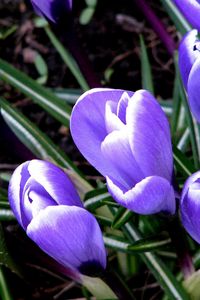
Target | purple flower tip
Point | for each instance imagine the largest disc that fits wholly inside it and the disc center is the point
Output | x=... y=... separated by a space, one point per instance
x=191 y=10
x=52 y=10
x=190 y=206
x=48 y=207
x=189 y=64
x=126 y=137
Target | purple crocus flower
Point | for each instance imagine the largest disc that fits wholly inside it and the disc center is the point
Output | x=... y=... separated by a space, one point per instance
x=191 y=10
x=126 y=137
x=48 y=207
x=190 y=206
x=189 y=65
x=52 y=10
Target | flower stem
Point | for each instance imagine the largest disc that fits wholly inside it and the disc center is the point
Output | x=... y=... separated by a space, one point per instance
x=179 y=241
x=157 y=25
x=69 y=39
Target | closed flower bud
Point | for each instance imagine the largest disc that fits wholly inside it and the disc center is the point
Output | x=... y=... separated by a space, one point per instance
x=126 y=137
x=189 y=64
x=48 y=207
x=190 y=206
x=52 y=10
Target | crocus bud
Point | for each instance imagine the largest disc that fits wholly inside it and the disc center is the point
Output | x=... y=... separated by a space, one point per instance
x=191 y=10
x=52 y=10
x=48 y=207
x=189 y=65
x=126 y=137
x=190 y=206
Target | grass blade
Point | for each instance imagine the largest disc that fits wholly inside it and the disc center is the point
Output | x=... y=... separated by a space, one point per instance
x=55 y=106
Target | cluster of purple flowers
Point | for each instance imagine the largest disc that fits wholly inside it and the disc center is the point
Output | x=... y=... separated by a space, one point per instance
x=126 y=137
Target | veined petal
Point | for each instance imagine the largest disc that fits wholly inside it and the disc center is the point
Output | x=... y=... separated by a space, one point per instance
x=149 y=135
x=55 y=182
x=15 y=190
x=190 y=206
x=116 y=149
x=191 y=10
x=187 y=55
x=88 y=126
x=69 y=234
x=151 y=195
x=194 y=89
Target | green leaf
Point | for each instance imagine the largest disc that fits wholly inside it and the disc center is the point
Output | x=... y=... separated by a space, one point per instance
x=97 y=198
x=182 y=163
x=68 y=95
x=98 y=288
x=6 y=215
x=43 y=97
x=86 y=15
x=68 y=59
x=191 y=284
x=36 y=140
x=4 y=290
x=147 y=81
x=91 y=2
x=180 y=22
x=148 y=244
x=163 y=275
x=122 y=216
x=5 y=257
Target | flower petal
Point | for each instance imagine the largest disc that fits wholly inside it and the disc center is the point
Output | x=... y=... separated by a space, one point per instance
x=190 y=206
x=194 y=89
x=116 y=149
x=88 y=127
x=52 y=10
x=187 y=55
x=15 y=191
x=151 y=195
x=55 y=182
x=149 y=135
x=191 y=10
x=69 y=234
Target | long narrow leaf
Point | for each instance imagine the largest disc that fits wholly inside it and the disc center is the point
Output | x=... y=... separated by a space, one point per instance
x=68 y=59
x=180 y=22
x=147 y=81
x=55 y=106
x=37 y=141
x=163 y=275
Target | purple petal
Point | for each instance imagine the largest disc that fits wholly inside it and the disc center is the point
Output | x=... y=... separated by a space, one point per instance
x=149 y=135
x=15 y=191
x=191 y=10
x=88 y=126
x=190 y=206
x=55 y=182
x=122 y=106
x=187 y=55
x=111 y=119
x=53 y=10
x=116 y=149
x=69 y=234
x=149 y=196
x=194 y=90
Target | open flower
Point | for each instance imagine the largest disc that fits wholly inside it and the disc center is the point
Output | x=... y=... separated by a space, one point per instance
x=191 y=10
x=48 y=207
x=52 y=10
x=190 y=206
x=189 y=64
x=126 y=137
